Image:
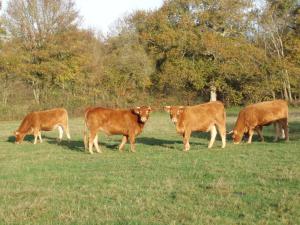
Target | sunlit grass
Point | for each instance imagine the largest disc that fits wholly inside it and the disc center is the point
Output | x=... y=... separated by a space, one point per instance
x=53 y=183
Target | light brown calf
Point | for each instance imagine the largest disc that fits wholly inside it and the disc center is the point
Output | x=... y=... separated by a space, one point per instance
x=47 y=120
x=204 y=117
x=254 y=116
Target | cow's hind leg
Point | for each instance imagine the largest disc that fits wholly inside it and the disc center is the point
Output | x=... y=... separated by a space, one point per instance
x=277 y=131
x=124 y=140
x=222 y=132
x=285 y=127
x=258 y=130
x=66 y=129
x=96 y=144
x=213 y=134
x=60 y=133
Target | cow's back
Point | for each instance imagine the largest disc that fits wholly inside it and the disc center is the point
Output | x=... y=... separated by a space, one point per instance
x=201 y=117
x=48 y=119
x=111 y=121
x=265 y=112
x=44 y=120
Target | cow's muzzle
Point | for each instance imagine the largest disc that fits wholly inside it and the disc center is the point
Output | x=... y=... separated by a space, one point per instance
x=143 y=119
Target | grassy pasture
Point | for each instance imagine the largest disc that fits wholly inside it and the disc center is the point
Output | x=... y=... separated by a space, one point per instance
x=52 y=183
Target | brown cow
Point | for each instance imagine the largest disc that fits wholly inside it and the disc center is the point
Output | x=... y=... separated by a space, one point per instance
x=254 y=116
x=127 y=122
x=47 y=120
x=204 y=117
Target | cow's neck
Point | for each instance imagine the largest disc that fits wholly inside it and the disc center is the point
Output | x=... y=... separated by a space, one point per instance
x=240 y=127
x=141 y=125
x=25 y=127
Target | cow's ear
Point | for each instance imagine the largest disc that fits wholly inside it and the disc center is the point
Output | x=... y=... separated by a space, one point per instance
x=149 y=109
x=136 y=110
x=167 y=108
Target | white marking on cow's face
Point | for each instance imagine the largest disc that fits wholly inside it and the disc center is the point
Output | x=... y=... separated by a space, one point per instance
x=174 y=120
x=167 y=108
x=143 y=119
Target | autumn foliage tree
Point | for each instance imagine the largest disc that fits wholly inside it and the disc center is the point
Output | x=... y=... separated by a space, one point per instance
x=178 y=53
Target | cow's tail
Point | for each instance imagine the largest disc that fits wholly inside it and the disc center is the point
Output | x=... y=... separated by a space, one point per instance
x=85 y=130
x=67 y=128
x=224 y=119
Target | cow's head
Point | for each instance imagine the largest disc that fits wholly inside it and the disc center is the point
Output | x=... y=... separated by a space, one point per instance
x=143 y=112
x=19 y=137
x=175 y=112
x=237 y=136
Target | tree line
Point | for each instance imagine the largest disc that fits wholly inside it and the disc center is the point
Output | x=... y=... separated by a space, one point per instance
x=246 y=51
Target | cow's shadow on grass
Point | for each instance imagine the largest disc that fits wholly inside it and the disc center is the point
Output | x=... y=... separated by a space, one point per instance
x=28 y=138
x=151 y=141
x=78 y=145
x=294 y=131
x=74 y=145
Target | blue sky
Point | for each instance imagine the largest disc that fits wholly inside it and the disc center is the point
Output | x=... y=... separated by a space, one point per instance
x=101 y=14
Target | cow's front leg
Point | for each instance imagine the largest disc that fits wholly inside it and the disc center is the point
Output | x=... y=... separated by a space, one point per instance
x=91 y=141
x=40 y=137
x=96 y=144
x=132 y=142
x=251 y=132
x=213 y=134
x=186 y=140
x=124 y=140
x=35 y=134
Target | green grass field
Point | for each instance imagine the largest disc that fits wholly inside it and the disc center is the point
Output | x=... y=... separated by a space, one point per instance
x=52 y=183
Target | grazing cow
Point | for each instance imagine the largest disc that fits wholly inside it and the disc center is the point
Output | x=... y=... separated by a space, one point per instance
x=254 y=116
x=204 y=117
x=47 y=120
x=127 y=122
